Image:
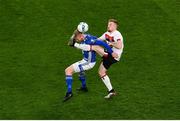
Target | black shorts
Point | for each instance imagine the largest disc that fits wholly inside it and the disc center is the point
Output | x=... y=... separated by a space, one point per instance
x=108 y=61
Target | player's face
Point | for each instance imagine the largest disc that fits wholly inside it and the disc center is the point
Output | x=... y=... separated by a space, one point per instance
x=79 y=38
x=111 y=26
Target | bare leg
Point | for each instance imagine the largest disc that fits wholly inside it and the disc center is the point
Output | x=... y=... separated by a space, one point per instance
x=102 y=70
x=106 y=80
x=104 y=76
x=69 y=70
x=99 y=50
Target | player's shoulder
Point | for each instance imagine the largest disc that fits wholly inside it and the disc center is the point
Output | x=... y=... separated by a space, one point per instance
x=116 y=32
x=89 y=39
x=88 y=36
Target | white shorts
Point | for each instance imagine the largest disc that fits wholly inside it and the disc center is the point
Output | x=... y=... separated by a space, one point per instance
x=83 y=65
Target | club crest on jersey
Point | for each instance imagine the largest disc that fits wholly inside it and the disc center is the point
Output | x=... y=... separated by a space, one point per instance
x=109 y=38
x=93 y=41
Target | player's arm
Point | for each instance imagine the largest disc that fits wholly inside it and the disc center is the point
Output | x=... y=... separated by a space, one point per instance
x=96 y=46
x=71 y=40
x=84 y=47
x=93 y=46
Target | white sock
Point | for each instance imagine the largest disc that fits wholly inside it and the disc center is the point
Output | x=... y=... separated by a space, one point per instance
x=107 y=82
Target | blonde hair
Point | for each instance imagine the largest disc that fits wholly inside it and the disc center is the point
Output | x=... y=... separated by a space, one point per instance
x=76 y=32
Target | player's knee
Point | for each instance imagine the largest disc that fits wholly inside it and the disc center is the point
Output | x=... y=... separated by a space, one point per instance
x=68 y=71
x=101 y=73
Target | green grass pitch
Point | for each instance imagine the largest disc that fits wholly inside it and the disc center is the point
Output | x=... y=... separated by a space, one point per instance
x=34 y=54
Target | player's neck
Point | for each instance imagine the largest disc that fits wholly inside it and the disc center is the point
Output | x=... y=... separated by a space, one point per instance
x=112 y=31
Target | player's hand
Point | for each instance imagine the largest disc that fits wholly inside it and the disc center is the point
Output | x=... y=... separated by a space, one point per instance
x=110 y=44
x=114 y=55
x=71 y=42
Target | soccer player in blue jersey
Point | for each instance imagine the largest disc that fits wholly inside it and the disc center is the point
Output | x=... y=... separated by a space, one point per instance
x=88 y=61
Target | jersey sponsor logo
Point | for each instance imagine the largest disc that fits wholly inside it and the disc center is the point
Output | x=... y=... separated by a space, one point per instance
x=109 y=38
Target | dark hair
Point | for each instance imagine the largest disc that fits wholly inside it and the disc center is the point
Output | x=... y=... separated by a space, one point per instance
x=114 y=21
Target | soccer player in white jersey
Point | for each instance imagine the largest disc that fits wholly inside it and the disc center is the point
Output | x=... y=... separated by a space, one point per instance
x=114 y=38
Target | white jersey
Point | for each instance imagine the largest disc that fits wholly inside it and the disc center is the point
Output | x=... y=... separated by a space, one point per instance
x=114 y=37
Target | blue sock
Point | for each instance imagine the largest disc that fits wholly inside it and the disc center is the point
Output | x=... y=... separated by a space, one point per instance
x=82 y=78
x=69 y=80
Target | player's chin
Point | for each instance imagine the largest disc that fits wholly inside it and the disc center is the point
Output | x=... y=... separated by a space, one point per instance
x=109 y=30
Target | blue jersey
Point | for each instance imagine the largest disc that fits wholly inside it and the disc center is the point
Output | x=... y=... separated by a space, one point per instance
x=90 y=56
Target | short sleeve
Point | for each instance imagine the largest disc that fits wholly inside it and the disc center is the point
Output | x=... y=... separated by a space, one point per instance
x=118 y=37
